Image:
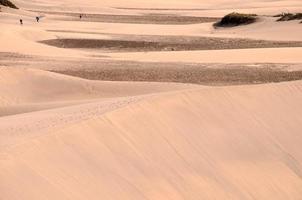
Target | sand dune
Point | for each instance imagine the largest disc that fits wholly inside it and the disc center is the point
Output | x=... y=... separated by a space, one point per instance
x=25 y=90
x=168 y=147
x=266 y=29
x=64 y=137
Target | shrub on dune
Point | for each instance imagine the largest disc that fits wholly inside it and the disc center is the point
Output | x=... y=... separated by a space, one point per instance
x=8 y=3
x=278 y=15
x=289 y=16
x=236 y=19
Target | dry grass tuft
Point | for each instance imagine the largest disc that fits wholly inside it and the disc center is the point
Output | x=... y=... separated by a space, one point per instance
x=8 y=3
x=289 y=16
x=236 y=19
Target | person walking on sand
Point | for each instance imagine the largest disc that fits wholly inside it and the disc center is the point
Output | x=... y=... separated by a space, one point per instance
x=21 y=22
x=81 y=16
x=37 y=18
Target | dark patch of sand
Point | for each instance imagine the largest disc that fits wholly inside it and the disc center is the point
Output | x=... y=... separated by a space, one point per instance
x=197 y=73
x=187 y=73
x=132 y=43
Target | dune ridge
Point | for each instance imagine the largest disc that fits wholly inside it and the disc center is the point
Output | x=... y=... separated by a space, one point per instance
x=166 y=147
x=26 y=90
x=65 y=137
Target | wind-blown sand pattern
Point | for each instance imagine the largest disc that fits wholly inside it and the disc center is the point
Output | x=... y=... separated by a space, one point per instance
x=148 y=100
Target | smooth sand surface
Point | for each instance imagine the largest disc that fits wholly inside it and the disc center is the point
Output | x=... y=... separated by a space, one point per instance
x=225 y=143
x=31 y=89
x=64 y=137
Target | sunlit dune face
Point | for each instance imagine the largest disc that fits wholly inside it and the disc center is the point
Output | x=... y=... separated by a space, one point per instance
x=151 y=100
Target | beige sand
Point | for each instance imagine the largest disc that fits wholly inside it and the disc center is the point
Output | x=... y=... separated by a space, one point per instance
x=63 y=137
x=225 y=143
x=25 y=90
x=266 y=29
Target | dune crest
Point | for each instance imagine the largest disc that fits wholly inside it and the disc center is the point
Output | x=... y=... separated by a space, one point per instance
x=167 y=148
x=100 y=132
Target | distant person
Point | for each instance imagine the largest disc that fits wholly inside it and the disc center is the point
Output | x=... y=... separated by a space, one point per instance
x=81 y=16
x=37 y=18
x=21 y=22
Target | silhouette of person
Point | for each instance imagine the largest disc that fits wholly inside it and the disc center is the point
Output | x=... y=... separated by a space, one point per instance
x=37 y=18
x=81 y=16
x=21 y=22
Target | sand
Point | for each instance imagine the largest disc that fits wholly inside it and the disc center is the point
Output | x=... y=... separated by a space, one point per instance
x=147 y=100
x=268 y=55
x=26 y=89
x=171 y=146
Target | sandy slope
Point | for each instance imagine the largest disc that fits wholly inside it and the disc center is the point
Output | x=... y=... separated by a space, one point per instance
x=25 y=90
x=32 y=101
x=211 y=143
x=68 y=138
x=21 y=40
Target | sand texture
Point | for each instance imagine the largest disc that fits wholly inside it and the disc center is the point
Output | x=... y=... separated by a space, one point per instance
x=148 y=100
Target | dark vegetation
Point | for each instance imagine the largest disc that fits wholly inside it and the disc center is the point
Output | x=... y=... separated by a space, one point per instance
x=8 y=3
x=236 y=19
x=289 y=16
